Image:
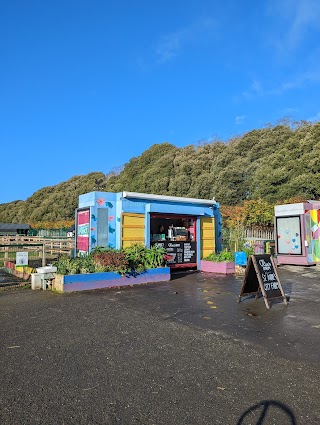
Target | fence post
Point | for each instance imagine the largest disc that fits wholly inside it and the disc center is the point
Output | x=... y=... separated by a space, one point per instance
x=43 y=255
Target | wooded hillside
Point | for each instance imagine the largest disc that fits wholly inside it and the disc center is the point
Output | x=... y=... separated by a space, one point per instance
x=270 y=164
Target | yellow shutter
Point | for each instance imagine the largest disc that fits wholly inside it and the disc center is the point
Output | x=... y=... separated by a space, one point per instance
x=132 y=229
x=207 y=237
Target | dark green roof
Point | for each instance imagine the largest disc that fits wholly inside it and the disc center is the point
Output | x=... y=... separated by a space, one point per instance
x=13 y=227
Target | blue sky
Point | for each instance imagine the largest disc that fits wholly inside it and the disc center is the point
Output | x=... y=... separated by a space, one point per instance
x=86 y=85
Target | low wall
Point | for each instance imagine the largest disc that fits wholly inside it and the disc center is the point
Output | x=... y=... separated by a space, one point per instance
x=294 y=260
x=85 y=282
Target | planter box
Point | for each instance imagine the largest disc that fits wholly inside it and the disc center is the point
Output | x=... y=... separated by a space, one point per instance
x=23 y=272
x=84 y=282
x=222 y=267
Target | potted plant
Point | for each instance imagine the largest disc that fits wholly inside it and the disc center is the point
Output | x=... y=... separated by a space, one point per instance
x=222 y=263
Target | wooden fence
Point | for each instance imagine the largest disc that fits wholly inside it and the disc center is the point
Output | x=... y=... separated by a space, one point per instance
x=52 y=247
x=259 y=234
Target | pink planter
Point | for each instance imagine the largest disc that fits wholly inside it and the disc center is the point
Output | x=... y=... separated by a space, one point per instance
x=221 y=268
x=23 y=272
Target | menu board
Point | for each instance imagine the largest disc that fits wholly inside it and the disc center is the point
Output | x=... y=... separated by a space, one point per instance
x=179 y=252
x=261 y=275
x=266 y=269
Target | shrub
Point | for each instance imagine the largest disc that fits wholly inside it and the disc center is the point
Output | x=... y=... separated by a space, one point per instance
x=224 y=256
x=111 y=260
x=133 y=259
x=141 y=258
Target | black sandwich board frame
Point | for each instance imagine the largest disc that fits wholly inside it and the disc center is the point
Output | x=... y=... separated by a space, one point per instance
x=254 y=280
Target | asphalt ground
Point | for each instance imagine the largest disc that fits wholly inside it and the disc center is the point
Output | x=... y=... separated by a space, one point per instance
x=182 y=352
x=8 y=281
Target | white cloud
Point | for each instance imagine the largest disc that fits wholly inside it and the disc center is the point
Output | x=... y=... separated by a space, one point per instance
x=296 y=82
x=291 y=83
x=170 y=45
x=256 y=86
x=254 y=90
x=240 y=119
x=297 y=18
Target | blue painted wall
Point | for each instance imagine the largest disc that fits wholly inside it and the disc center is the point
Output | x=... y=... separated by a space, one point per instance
x=116 y=205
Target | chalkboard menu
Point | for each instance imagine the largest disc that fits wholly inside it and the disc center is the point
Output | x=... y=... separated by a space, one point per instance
x=179 y=252
x=261 y=275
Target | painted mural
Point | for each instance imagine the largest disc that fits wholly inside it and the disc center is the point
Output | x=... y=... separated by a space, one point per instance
x=289 y=235
x=315 y=233
x=97 y=229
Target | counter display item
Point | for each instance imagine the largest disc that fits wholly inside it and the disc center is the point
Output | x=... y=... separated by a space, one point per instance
x=158 y=237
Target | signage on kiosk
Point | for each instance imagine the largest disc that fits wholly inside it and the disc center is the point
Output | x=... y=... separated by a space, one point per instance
x=261 y=276
x=177 y=235
x=179 y=252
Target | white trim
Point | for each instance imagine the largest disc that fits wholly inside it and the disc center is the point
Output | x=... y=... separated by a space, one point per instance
x=289 y=210
x=168 y=198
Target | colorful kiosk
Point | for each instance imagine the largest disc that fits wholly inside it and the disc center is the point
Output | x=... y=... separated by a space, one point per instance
x=188 y=228
x=297 y=233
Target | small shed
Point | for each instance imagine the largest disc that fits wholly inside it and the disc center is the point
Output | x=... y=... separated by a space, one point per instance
x=188 y=228
x=13 y=229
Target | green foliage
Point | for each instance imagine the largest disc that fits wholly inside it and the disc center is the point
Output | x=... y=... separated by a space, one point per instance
x=224 y=256
x=62 y=264
x=134 y=259
x=249 y=250
x=111 y=260
x=267 y=166
x=141 y=257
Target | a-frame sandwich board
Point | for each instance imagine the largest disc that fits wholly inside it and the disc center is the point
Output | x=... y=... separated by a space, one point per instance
x=261 y=276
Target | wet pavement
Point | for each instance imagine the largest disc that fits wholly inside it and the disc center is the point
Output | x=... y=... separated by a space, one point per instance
x=8 y=280
x=209 y=302
x=182 y=352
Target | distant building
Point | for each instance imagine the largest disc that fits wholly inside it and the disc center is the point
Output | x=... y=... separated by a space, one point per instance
x=71 y=232
x=13 y=229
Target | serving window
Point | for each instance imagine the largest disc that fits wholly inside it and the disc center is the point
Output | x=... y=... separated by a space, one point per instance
x=177 y=234
x=172 y=228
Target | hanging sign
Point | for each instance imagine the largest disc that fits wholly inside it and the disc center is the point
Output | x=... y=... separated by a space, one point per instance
x=261 y=276
x=21 y=258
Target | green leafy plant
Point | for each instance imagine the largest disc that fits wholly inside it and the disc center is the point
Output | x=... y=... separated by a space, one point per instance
x=136 y=254
x=224 y=256
x=141 y=258
x=87 y=265
x=62 y=264
x=133 y=259
x=154 y=257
